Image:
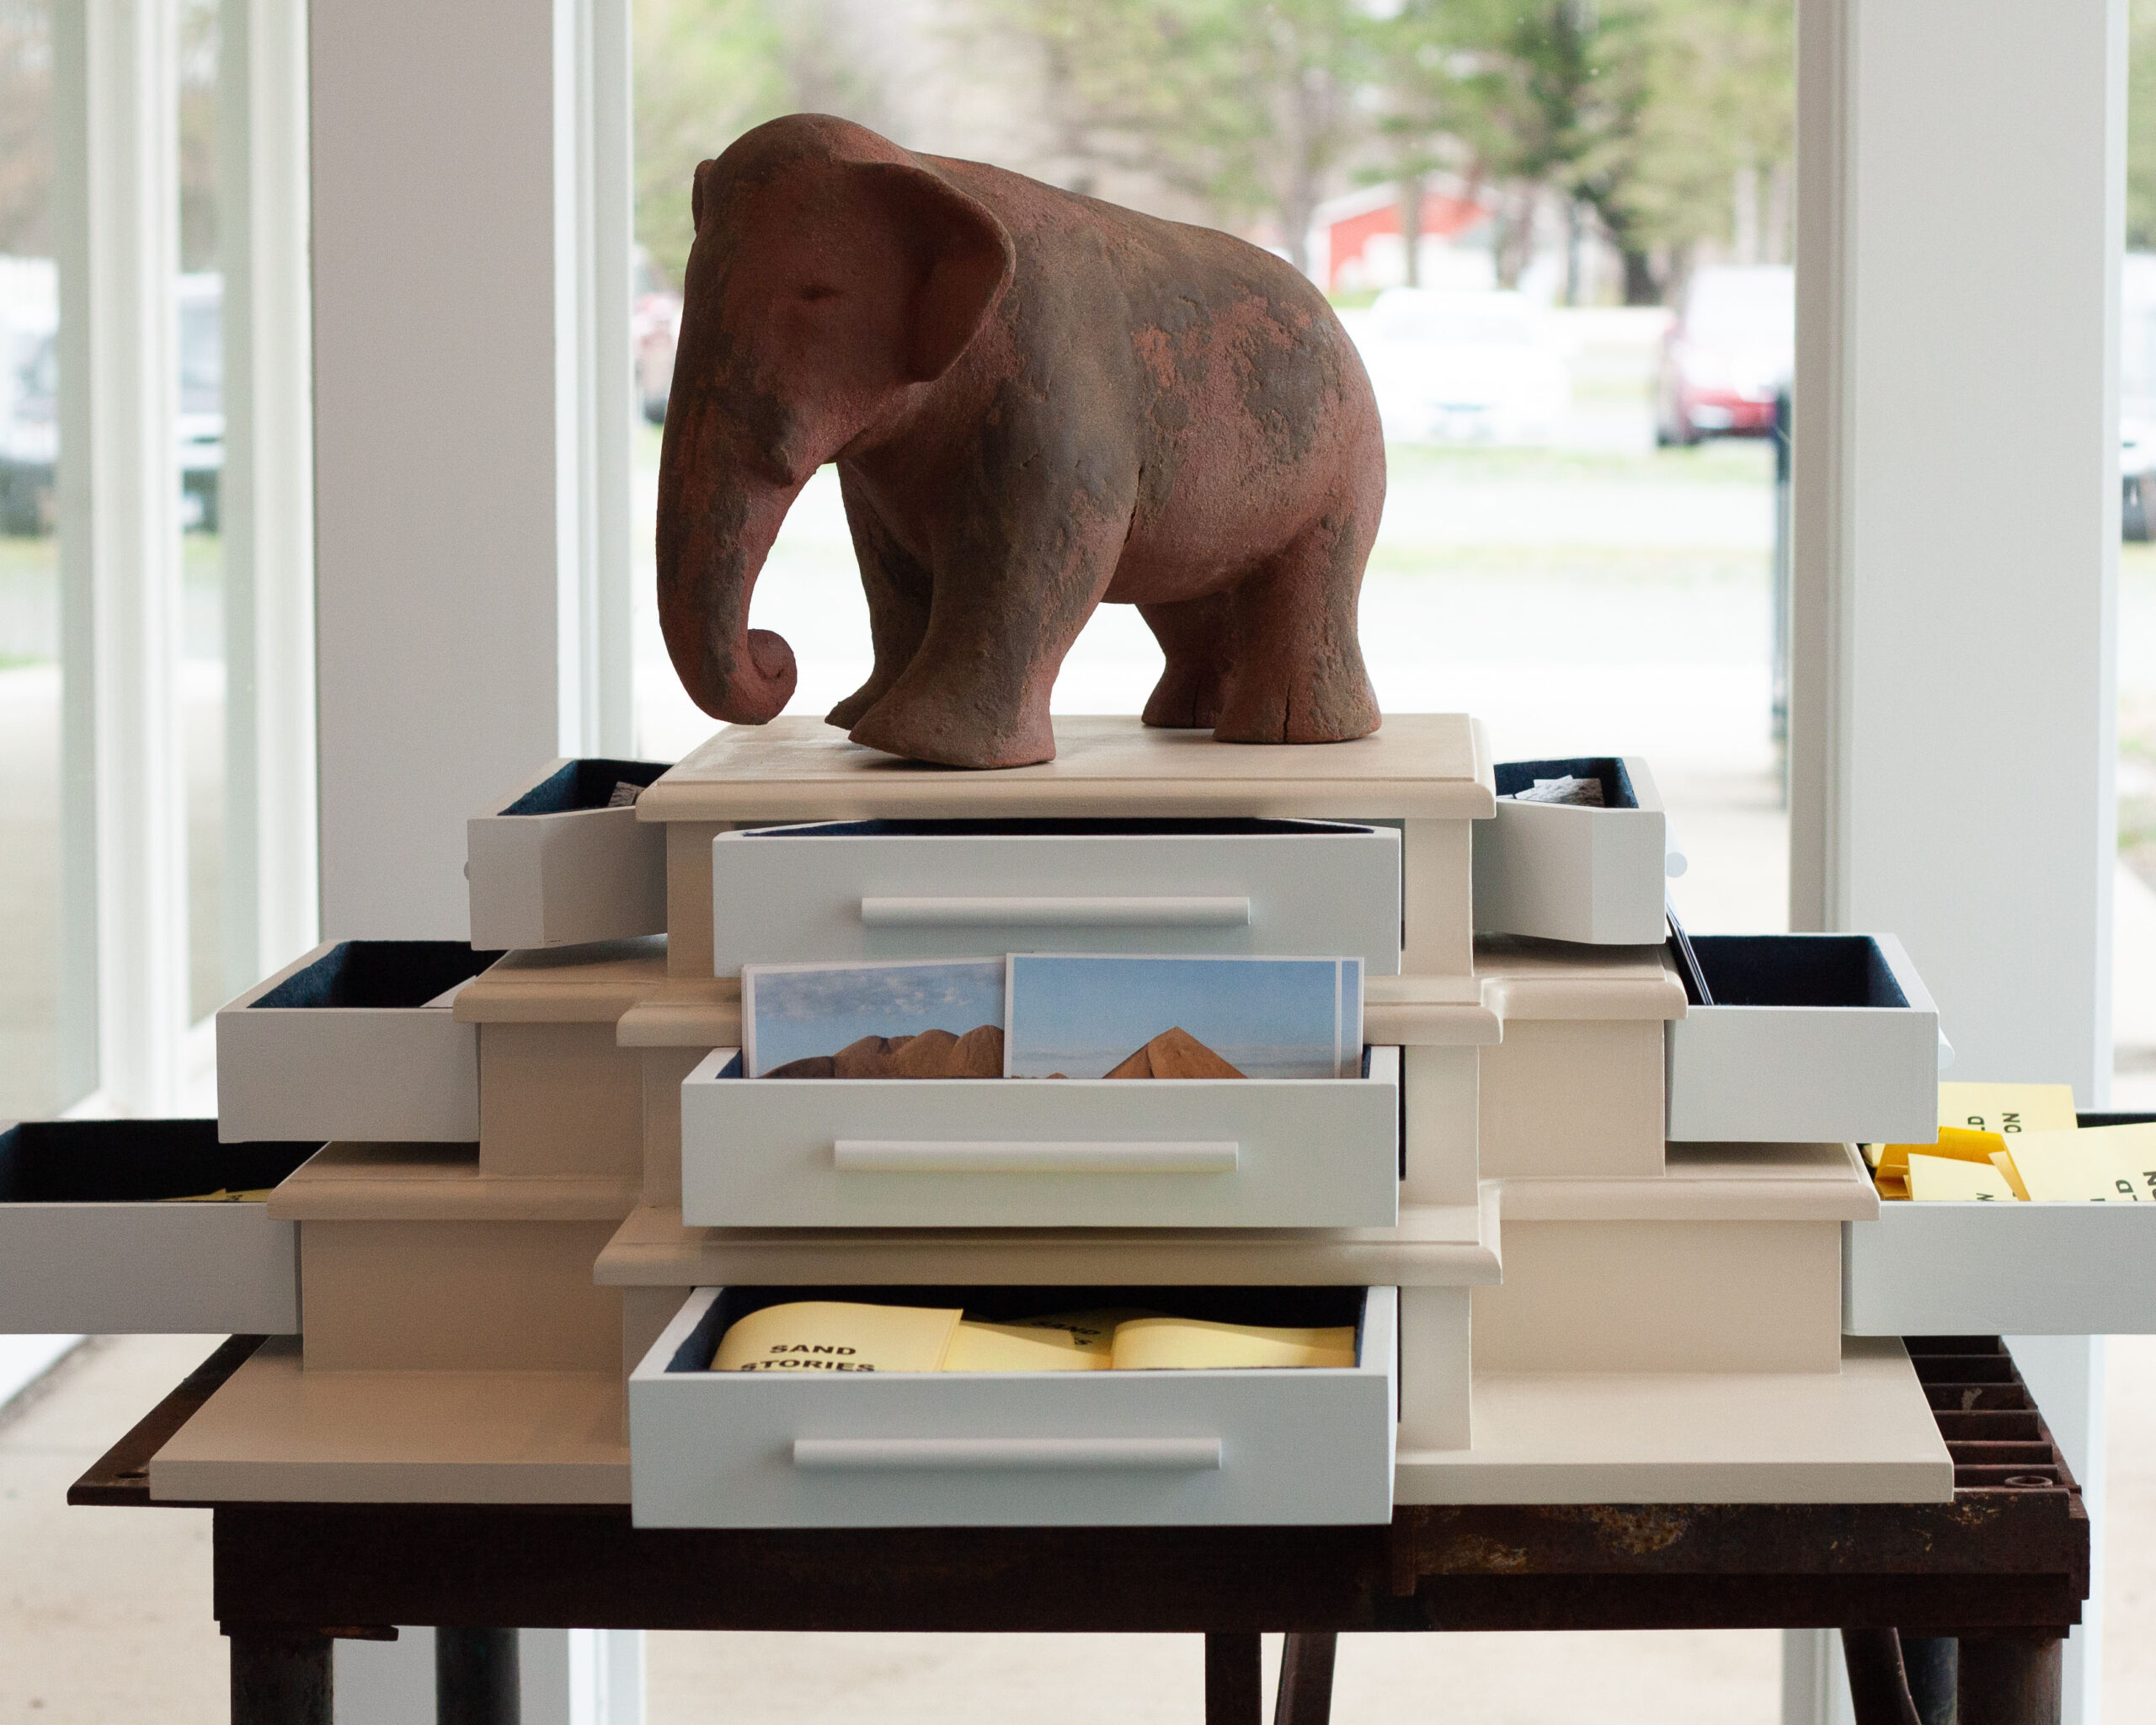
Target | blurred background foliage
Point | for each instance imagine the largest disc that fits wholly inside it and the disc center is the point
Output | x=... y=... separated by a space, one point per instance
x=1663 y=125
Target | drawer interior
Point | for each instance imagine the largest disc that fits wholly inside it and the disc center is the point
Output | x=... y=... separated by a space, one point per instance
x=1315 y=1308
x=1513 y=777
x=134 y=1161
x=732 y=1069
x=583 y=784
x=378 y=973
x=1797 y=970
x=1054 y=829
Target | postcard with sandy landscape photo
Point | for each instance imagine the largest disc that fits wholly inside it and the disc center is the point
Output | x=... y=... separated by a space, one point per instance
x=1096 y=1017
x=909 y=1018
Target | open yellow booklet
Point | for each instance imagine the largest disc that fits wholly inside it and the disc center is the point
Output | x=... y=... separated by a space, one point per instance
x=1979 y=1125
x=825 y=1336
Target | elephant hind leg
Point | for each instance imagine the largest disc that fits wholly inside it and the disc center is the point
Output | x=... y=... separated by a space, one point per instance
x=1300 y=677
x=1198 y=639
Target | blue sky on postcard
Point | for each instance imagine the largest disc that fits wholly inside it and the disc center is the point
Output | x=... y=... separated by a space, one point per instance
x=1269 y=1017
x=804 y=1010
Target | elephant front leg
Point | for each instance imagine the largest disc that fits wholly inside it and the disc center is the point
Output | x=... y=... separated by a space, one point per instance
x=1197 y=640
x=898 y=589
x=976 y=692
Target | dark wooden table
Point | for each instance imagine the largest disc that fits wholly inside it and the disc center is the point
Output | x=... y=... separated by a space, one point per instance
x=1983 y=1588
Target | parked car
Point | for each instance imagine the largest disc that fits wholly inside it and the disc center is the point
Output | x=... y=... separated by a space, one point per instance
x=655 y=327
x=2137 y=395
x=30 y=391
x=1732 y=346
x=202 y=400
x=30 y=377
x=1463 y=367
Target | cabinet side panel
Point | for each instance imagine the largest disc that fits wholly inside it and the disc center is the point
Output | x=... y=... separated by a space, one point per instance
x=1634 y=1296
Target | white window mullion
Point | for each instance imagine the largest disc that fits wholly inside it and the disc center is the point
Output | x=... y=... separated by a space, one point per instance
x=129 y=413
x=272 y=886
x=595 y=377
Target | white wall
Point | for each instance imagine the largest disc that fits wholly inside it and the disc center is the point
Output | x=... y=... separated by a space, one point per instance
x=435 y=439
x=1961 y=202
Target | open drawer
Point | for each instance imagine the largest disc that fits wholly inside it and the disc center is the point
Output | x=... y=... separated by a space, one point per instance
x=1058 y=1448
x=1022 y=1153
x=1810 y=1037
x=2003 y=1269
x=926 y=889
x=551 y=865
x=354 y=1039
x=89 y=1247
x=1562 y=871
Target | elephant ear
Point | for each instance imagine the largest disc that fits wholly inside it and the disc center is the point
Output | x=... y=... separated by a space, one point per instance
x=962 y=254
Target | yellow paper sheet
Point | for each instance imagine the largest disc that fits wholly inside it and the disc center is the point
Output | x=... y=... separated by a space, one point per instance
x=814 y=1336
x=1023 y=1346
x=1944 y=1179
x=1190 y=1344
x=2003 y=1161
x=2102 y=1165
x=1955 y=1143
x=2007 y=1108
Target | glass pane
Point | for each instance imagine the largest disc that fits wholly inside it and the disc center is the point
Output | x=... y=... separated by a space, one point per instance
x=2134 y=906
x=1560 y=237
x=200 y=296
x=31 y=1061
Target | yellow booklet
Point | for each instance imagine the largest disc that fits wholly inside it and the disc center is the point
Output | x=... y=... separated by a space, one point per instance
x=1192 y=1344
x=1934 y=1178
x=806 y=1336
x=2007 y=1108
x=1976 y=1122
x=1023 y=1346
x=827 y=1336
x=2099 y=1165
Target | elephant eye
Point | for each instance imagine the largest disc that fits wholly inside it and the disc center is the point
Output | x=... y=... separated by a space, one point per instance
x=813 y=294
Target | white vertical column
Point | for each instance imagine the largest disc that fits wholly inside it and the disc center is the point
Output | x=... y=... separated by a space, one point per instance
x=1953 y=675
x=445 y=647
x=272 y=885
x=120 y=508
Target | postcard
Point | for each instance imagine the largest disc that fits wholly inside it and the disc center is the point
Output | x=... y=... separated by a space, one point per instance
x=1078 y=1015
x=804 y=1015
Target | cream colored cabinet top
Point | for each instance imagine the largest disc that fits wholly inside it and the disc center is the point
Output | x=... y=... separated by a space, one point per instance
x=1419 y=766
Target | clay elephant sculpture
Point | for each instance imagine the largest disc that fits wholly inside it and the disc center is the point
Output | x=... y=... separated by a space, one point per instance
x=1037 y=401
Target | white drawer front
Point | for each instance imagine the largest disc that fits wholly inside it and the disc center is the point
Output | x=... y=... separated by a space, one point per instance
x=118 y=1269
x=1562 y=871
x=1007 y=1152
x=897 y=889
x=1768 y=1072
x=305 y=1056
x=2025 y=1269
x=554 y=866
x=1026 y=1450
x=86 y=1247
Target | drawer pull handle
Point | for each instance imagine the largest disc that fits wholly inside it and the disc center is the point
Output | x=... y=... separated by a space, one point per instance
x=971 y=1454
x=878 y=1155
x=1057 y=913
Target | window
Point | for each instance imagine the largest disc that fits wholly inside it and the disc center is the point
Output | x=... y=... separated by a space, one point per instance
x=156 y=817
x=1561 y=236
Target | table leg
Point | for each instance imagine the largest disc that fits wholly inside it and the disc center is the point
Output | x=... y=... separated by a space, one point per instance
x=477 y=1677
x=280 y=1676
x=1233 y=1683
x=1305 y=1696
x=1927 y=1660
x=1879 y=1687
x=2003 y=1681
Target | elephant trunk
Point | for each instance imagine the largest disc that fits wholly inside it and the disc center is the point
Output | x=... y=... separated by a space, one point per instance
x=714 y=531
